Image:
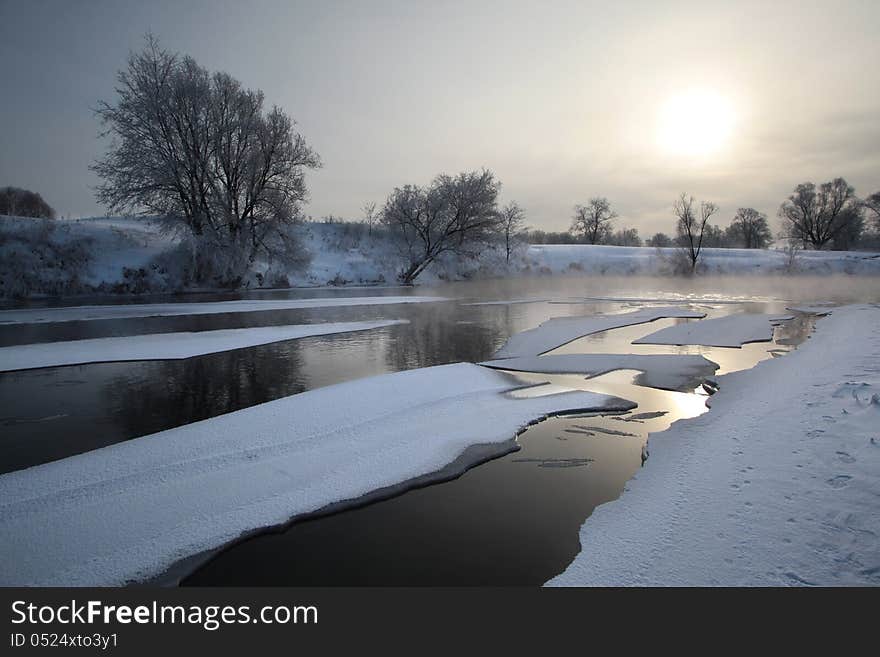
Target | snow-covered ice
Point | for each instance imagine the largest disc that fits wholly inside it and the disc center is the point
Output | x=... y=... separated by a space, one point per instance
x=728 y=331
x=779 y=484
x=820 y=310
x=683 y=298
x=666 y=371
x=507 y=302
x=129 y=511
x=167 y=346
x=558 y=331
x=120 y=311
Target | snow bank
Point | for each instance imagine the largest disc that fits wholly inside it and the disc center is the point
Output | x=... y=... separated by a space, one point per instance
x=561 y=330
x=666 y=371
x=63 y=256
x=166 y=346
x=776 y=485
x=729 y=331
x=88 y=313
x=129 y=511
x=131 y=256
x=623 y=260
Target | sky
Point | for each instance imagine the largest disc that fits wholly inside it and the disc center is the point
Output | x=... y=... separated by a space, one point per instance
x=637 y=101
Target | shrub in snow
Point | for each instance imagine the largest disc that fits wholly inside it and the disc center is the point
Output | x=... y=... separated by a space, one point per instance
x=36 y=258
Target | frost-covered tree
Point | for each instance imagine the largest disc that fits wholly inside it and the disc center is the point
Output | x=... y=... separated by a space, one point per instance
x=872 y=203
x=371 y=214
x=593 y=220
x=691 y=224
x=660 y=240
x=625 y=237
x=749 y=229
x=715 y=238
x=544 y=237
x=816 y=215
x=852 y=223
x=198 y=147
x=513 y=223
x=18 y=202
x=453 y=214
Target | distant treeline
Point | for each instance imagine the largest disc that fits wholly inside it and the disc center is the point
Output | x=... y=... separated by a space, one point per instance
x=825 y=216
x=18 y=202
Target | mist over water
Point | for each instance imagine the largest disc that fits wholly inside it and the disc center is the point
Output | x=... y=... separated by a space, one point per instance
x=101 y=404
x=531 y=502
x=514 y=520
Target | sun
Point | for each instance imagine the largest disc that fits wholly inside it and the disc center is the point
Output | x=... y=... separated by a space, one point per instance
x=695 y=122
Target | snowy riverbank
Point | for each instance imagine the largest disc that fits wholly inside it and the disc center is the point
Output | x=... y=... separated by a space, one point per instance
x=776 y=485
x=121 y=255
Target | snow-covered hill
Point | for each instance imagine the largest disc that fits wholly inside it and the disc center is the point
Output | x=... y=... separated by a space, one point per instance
x=130 y=256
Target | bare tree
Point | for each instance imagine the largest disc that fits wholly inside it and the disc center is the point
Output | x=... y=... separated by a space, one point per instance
x=24 y=203
x=691 y=226
x=371 y=214
x=593 y=221
x=513 y=220
x=451 y=215
x=816 y=215
x=198 y=147
x=749 y=229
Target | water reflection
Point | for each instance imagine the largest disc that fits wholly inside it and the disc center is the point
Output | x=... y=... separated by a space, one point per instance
x=512 y=521
x=504 y=522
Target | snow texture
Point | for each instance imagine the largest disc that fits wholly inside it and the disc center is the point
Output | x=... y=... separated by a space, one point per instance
x=119 y=311
x=561 y=330
x=729 y=331
x=129 y=511
x=166 y=346
x=666 y=371
x=778 y=484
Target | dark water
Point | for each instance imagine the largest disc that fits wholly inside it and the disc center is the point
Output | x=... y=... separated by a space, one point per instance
x=512 y=520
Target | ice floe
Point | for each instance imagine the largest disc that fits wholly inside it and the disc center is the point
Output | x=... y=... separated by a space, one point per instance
x=129 y=511
x=667 y=371
x=167 y=346
x=506 y=302
x=819 y=310
x=122 y=311
x=562 y=330
x=729 y=331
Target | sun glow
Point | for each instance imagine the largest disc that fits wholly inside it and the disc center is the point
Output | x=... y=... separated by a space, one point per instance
x=695 y=122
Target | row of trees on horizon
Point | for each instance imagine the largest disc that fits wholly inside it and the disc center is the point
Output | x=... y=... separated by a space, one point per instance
x=199 y=150
x=829 y=215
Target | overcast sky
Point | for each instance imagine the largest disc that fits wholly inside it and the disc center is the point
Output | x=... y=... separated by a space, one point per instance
x=563 y=100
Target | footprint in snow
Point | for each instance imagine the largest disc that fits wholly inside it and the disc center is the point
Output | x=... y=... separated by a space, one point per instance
x=839 y=481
